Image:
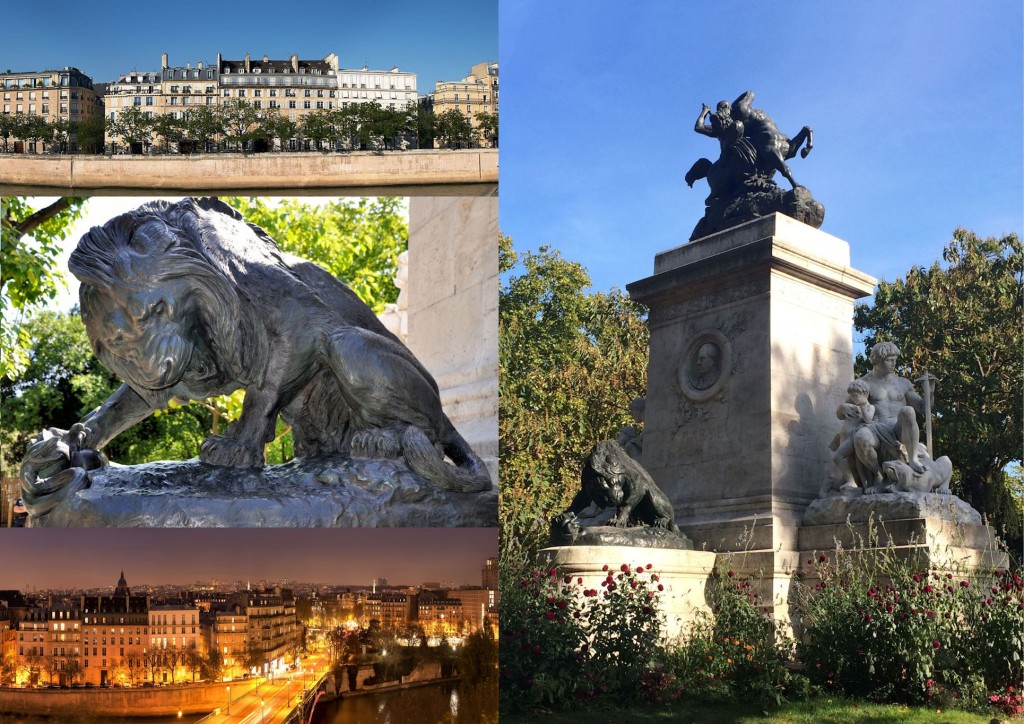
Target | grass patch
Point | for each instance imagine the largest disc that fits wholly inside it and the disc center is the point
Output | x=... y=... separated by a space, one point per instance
x=818 y=711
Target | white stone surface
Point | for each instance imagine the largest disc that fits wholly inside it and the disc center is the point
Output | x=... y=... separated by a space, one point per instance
x=741 y=466
x=396 y=316
x=684 y=574
x=781 y=294
x=453 y=310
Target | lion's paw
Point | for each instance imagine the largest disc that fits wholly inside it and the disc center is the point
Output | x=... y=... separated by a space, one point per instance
x=378 y=443
x=229 y=452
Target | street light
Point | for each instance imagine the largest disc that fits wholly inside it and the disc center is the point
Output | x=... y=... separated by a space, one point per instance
x=229 y=699
x=262 y=704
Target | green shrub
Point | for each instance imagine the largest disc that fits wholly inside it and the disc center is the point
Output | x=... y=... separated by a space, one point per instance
x=736 y=654
x=562 y=643
x=875 y=626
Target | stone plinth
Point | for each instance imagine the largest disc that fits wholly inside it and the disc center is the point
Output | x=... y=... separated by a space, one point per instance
x=939 y=531
x=330 y=491
x=453 y=311
x=751 y=354
x=683 y=573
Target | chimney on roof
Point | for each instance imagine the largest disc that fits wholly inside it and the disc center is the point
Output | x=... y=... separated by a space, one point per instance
x=163 y=61
x=199 y=65
x=266 y=59
x=246 y=62
x=218 y=62
x=295 y=62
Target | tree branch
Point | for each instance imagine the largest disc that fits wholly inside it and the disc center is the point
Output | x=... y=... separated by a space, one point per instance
x=42 y=216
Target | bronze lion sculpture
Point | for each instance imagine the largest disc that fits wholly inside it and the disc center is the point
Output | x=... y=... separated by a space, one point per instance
x=612 y=479
x=187 y=301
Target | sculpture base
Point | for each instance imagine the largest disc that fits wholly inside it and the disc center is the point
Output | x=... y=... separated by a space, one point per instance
x=754 y=203
x=859 y=508
x=683 y=573
x=938 y=531
x=332 y=491
x=638 y=537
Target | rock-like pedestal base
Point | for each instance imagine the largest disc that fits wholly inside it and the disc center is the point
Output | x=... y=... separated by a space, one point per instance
x=941 y=532
x=683 y=573
x=332 y=491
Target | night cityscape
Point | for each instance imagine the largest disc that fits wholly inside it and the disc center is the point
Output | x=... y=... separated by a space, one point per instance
x=268 y=622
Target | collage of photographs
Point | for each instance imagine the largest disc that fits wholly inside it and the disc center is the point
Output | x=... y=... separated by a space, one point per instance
x=308 y=415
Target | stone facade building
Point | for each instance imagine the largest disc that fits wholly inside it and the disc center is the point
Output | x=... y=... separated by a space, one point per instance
x=127 y=640
x=292 y=87
x=476 y=93
x=66 y=94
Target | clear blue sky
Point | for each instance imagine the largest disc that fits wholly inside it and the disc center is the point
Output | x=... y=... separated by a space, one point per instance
x=436 y=40
x=916 y=108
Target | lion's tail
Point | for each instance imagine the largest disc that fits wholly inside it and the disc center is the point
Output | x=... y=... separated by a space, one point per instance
x=468 y=475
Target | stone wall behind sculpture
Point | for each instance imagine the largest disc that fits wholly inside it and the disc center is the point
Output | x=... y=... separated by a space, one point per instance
x=453 y=310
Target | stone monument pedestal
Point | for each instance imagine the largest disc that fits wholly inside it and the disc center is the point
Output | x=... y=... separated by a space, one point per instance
x=751 y=354
x=940 y=532
x=683 y=573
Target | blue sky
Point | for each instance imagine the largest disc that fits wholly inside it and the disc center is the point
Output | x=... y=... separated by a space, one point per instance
x=436 y=40
x=916 y=108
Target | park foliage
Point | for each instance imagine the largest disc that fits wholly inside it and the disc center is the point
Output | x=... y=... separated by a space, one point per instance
x=30 y=242
x=875 y=627
x=570 y=362
x=962 y=322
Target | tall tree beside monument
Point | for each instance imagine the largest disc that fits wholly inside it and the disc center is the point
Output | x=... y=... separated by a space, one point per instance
x=962 y=322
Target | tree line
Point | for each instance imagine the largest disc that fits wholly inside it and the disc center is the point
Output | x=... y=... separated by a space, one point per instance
x=240 y=126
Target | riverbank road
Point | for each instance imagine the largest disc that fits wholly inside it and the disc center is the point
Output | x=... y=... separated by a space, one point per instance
x=275 y=698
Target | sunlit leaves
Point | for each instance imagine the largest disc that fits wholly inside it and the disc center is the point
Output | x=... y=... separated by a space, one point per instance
x=962 y=322
x=570 y=364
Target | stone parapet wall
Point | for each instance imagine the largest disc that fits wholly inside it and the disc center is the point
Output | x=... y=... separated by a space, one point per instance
x=139 y=701
x=233 y=171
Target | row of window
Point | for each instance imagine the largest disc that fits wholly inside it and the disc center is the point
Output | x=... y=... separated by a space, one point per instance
x=45 y=82
x=19 y=96
x=44 y=109
x=272 y=71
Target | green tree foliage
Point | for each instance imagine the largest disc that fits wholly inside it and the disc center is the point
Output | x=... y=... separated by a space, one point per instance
x=962 y=323
x=487 y=128
x=63 y=381
x=10 y=124
x=132 y=126
x=90 y=133
x=357 y=240
x=240 y=120
x=321 y=125
x=202 y=125
x=570 y=363
x=453 y=129
x=61 y=131
x=170 y=129
x=275 y=124
x=30 y=240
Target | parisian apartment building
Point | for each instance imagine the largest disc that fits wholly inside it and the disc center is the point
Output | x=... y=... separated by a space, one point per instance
x=66 y=93
x=476 y=93
x=293 y=87
x=128 y=639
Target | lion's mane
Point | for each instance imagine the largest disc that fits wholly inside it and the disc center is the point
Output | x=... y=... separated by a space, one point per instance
x=107 y=256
